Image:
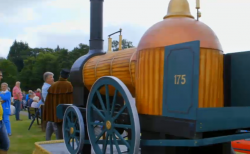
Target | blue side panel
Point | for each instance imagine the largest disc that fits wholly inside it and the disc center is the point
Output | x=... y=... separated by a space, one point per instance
x=240 y=85
x=225 y=118
x=181 y=80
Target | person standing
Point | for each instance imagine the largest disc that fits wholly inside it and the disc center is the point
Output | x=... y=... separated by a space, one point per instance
x=48 y=78
x=61 y=92
x=6 y=101
x=17 y=94
x=4 y=139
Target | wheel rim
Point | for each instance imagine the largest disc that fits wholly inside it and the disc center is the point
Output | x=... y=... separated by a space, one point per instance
x=107 y=113
x=73 y=129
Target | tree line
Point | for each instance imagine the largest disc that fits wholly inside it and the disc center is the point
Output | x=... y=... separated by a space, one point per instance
x=27 y=65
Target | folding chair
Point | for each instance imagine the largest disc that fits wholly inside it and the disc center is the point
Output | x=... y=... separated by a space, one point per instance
x=34 y=113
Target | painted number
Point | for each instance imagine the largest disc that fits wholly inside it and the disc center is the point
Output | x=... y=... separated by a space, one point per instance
x=180 y=79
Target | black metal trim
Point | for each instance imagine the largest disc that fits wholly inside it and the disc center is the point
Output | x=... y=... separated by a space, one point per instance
x=227 y=79
x=80 y=92
x=166 y=125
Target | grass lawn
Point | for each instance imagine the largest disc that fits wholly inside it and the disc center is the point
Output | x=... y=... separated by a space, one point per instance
x=22 y=140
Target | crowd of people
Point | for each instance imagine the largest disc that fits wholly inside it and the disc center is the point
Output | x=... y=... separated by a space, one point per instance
x=51 y=95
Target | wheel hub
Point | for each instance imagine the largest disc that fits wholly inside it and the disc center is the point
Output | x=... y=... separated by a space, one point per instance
x=71 y=130
x=108 y=125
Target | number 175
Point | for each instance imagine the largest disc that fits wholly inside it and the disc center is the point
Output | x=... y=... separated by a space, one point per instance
x=179 y=79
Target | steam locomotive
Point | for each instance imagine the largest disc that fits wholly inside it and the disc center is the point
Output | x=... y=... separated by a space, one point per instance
x=177 y=92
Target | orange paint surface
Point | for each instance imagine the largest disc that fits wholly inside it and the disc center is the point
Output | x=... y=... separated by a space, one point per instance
x=242 y=146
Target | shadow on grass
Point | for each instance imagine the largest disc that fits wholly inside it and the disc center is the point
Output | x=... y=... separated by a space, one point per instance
x=22 y=140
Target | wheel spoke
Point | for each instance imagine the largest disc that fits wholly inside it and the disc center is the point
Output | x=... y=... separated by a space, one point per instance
x=101 y=101
x=76 y=119
x=69 y=140
x=120 y=112
x=121 y=138
x=78 y=131
x=98 y=111
x=107 y=97
x=113 y=103
x=73 y=143
x=77 y=141
x=68 y=120
x=111 y=144
x=100 y=135
x=104 y=146
x=122 y=126
x=117 y=145
x=71 y=117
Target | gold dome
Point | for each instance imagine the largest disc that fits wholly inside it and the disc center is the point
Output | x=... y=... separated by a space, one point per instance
x=179 y=26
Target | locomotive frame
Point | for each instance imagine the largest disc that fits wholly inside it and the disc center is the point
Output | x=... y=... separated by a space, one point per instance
x=182 y=124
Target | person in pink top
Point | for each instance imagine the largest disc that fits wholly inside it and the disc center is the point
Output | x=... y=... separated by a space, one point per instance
x=38 y=93
x=17 y=94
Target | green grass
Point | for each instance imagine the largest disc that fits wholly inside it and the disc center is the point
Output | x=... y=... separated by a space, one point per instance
x=22 y=140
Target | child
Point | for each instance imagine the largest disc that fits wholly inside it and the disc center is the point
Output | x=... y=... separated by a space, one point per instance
x=35 y=101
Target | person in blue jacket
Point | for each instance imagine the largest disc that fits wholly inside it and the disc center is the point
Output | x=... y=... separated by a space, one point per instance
x=27 y=96
x=6 y=102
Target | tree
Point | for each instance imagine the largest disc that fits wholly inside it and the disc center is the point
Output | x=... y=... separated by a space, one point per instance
x=57 y=48
x=125 y=44
x=2 y=58
x=9 y=72
x=16 y=54
x=26 y=74
x=43 y=63
x=31 y=63
x=31 y=75
x=62 y=58
x=77 y=52
x=115 y=45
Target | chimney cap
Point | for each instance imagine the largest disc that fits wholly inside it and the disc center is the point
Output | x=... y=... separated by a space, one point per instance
x=178 y=8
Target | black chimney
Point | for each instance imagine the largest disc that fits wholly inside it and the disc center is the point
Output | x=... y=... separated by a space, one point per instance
x=80 y=92
x=96 y=26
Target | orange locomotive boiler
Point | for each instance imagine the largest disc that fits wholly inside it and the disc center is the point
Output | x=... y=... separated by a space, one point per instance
x=173 y=90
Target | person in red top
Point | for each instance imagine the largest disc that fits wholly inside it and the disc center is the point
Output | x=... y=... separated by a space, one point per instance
x=38 y=93
x=17 y=94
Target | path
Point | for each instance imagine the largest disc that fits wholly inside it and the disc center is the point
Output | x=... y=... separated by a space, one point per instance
x=24 y=113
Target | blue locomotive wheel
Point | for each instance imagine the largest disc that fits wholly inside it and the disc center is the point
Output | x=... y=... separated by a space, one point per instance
x=73 y=130
x=109 y=115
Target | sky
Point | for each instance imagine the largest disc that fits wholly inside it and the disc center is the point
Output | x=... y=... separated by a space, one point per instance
x=48 y=23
